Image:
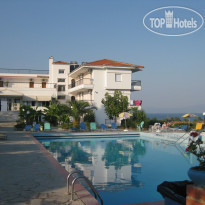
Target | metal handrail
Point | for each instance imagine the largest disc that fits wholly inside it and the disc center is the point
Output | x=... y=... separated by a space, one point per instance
x=86 y=180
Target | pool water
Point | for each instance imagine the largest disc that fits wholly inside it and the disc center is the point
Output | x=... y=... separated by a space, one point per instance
x=124 y=170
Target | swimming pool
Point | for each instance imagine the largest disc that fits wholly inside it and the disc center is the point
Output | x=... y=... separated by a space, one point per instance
x=124 y=170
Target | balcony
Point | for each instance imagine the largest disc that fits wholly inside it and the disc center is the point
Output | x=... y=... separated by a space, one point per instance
x=27 y=88
x=136 y=103
x=26 y=85
x=136 y=85
x=80 y=85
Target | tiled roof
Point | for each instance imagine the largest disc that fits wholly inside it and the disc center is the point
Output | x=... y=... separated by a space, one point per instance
x=112 y=63
x=61 y=62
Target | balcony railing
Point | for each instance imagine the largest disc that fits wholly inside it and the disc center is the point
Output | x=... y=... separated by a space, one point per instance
x=23 y=71
x=86 y=81
x=136 y=85
x=22 y=85
x=135 y=102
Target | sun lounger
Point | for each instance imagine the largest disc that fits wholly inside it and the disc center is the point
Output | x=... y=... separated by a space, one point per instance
x=199 y=126
x=114 y=126
x=47 y=126
x=36 y=127
x=184 y=127
x=140 y=126
x=82 y=126
x=93 y=126
x=28 y=128
x=103 y=127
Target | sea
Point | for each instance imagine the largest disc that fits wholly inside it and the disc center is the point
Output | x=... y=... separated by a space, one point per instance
x=161 y=116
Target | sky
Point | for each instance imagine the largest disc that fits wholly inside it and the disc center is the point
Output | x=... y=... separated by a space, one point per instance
x=173 y=79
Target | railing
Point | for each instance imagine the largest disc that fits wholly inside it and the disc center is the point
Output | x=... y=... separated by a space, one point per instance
x=19 y=85
x=86 y=180
x=86 y=81
x=136 y=82
x=23 y=71
x=91 y=102
x=135 y=102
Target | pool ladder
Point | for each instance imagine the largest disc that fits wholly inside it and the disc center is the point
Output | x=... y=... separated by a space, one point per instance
x=86 y=180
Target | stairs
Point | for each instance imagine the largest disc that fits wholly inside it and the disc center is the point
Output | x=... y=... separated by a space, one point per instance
x=9 y=116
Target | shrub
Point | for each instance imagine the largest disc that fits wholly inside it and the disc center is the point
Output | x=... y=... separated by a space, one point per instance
x=20 y=126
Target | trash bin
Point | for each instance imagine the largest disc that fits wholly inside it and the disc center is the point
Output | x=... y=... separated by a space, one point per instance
x=174 y=193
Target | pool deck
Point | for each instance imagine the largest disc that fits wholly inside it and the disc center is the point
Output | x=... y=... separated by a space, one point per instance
x=31 y=176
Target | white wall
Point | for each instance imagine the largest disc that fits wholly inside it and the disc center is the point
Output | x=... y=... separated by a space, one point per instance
x=124 y=84
x=99 y=93
x=55 y=75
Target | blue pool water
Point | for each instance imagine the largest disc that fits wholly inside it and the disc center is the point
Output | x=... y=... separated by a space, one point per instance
x=125 y=170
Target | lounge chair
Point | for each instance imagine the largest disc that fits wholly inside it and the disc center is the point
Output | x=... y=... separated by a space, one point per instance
x=82 y=126
x=103 y=126
x=93 y=126
x=140 y=126
x=184 y=127
x=28 y=128
x=199 y=126
x=47 y=126
x=36 y=127
x=114 y=126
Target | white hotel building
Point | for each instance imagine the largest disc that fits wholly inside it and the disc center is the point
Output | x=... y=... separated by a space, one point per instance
x=65 y=81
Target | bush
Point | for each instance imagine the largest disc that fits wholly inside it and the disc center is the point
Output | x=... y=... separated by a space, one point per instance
x=20 y=126
x=67 y=125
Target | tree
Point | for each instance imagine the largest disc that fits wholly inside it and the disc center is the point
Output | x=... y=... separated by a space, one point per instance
x=29 y=115
x=139 y=116
x=78 y=110
x=115 y=104
x=57 y=113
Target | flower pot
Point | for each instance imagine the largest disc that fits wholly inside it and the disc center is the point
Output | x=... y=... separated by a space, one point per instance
x=197 y=176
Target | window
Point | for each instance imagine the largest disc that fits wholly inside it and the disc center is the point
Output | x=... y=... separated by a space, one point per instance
x=31 y=84
x=45 y=103
x=61 y=71
x=33 y=103
x=61 y=80
x=61 y=88
x=1 y=83
x=118 y=77
x=16 y=100
x=61 y=97
x=43 y=84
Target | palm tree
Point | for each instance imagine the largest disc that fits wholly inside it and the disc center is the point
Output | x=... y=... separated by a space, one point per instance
x=57 y=113
x=78 y=109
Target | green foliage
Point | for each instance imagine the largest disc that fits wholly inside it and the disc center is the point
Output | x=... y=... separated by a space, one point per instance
x=29 y=115
x=138 y=115
x=57 y=113
x=89 y=117
x=20 y=126
x=78 y=110
x=115 y=104
x=198 y=119
x=196 y=147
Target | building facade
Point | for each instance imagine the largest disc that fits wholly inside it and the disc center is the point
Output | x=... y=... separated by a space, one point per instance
x=69 y=81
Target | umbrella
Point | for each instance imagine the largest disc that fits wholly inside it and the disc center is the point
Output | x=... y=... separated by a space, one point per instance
x=189 y=116
x=125 y=115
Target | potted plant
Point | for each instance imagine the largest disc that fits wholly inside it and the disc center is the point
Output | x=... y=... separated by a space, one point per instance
x=197 y=174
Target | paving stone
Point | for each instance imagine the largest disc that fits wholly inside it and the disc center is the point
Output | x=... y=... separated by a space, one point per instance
x=27 y=176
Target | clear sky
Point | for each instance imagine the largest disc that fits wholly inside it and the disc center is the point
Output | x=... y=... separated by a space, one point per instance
x=87 y=30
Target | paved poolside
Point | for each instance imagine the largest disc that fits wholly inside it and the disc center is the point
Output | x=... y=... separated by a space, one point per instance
x=28 y=175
